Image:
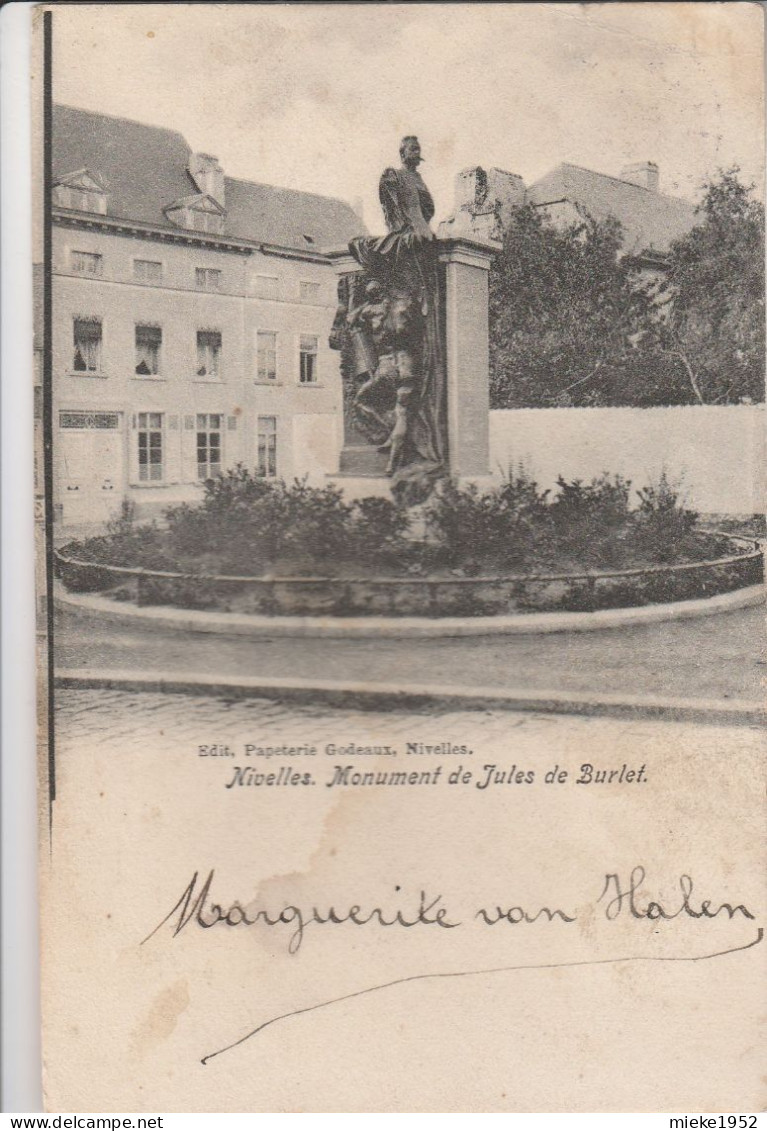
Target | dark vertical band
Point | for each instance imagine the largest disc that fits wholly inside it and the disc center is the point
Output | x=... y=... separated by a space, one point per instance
x=48 y=386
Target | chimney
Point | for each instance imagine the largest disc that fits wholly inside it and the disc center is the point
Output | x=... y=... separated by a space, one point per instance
x=470 y=188
x=507 y=190
x=643 y=173
x=208 y=175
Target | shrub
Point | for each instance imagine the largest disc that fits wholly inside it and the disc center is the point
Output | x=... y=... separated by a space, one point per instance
x=462 y=523
x=124 y=543
x=522 y=513
x=664 y=527
x=316 y=523
x=123 y=522
x=378 y=530
x=237 y=489
x=590 y=521
x=250 y=526
x=504 y=528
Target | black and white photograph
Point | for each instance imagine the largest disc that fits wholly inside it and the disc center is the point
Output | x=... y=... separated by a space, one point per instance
x=399 y=512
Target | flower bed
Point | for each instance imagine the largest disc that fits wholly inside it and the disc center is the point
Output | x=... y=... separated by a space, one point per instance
x=436 y=597
x=308 y=552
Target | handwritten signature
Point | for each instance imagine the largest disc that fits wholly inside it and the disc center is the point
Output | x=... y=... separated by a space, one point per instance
x=196 y=906
x=618 y=898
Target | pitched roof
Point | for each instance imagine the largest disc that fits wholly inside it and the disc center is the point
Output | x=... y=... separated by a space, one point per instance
x=651 y=220
x=285 y=216
x=144 y=169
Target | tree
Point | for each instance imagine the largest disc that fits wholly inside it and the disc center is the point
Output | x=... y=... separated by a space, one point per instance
x=715 y=296
x=572 y=322
x=569 y=319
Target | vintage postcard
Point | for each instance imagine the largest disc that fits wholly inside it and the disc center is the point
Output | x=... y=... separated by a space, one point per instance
x=400 y=454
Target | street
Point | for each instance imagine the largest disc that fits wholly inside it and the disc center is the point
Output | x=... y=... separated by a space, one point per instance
x=716 y=658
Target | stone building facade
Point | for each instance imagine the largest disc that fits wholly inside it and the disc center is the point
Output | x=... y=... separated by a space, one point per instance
x=190 y=321
x=650 y=219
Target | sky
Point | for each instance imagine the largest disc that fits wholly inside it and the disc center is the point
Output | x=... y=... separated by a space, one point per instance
x=317 y=96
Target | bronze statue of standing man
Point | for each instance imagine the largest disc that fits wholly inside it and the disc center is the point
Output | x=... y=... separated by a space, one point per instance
x=392 y=314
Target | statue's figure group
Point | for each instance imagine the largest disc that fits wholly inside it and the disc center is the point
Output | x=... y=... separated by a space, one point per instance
x=389 y=318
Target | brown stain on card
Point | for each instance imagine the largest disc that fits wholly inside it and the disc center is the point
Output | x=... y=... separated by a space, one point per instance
x=161 y=1019
x=348 y=812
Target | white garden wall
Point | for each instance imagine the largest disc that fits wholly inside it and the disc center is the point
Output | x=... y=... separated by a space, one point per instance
x=717 y=451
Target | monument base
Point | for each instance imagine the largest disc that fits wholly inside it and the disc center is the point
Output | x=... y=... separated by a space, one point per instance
x=356 y=486
x=362 y=459
x=361 y=486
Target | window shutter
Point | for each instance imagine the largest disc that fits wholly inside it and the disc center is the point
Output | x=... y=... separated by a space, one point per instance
x=173 y=455
x=231 y=423
x=189 y=450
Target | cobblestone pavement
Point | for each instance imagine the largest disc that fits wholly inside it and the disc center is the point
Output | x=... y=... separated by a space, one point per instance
x=717 y=657
x=136 y=720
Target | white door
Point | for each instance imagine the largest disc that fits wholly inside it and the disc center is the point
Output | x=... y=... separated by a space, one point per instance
x=89 y=463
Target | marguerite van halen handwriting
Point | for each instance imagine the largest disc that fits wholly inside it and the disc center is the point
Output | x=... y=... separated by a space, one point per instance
x=196 y=905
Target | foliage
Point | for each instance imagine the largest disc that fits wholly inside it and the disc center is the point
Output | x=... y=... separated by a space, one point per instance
x=249 y=524
x=568 y=317
x=715 y=294
x=591 y=522
x=574 y=323
x=585 y=525
x=125 y=543
x=251 y=527
x=378 y=530
x=503 y=528
x=665 y=528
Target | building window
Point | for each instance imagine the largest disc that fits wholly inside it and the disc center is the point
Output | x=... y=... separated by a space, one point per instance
x=200 y=221
x=150 y=454
x=208 y=353
x=209 y=426
x=87 y=345
x=148 y=346
x=86 y=263
x=309 y=292
x=147 y=271
x=207 y=279
x=308 y=360
x=267 y=445
x=266 y=286
x=266 y=351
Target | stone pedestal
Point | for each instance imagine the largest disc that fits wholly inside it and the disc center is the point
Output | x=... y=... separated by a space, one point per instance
x=465 y=263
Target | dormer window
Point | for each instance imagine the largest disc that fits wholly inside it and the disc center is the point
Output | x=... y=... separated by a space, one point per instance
x=205 y=221
x=82 y=191
x=197 y=214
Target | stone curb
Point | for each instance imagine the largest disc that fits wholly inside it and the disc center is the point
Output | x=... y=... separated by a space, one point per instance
x=333 y=693
x=376 y=627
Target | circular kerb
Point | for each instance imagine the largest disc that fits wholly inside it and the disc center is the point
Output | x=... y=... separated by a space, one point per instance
x=376 y=627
